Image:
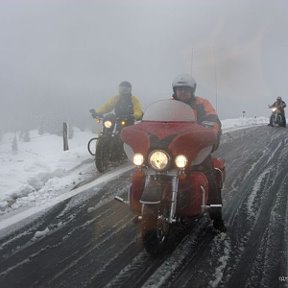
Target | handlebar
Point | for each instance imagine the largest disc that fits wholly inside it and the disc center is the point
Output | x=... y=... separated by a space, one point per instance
x=98 y=116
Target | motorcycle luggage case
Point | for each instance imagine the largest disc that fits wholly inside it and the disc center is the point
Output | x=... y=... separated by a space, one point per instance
x=191 y=196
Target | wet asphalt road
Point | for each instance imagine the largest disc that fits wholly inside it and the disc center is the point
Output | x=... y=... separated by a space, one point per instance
x=92 y=241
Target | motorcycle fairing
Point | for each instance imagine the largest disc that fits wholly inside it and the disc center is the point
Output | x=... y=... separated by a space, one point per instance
x=139 y=136
x=182 y=137
x=137 y=139
x=194 y=141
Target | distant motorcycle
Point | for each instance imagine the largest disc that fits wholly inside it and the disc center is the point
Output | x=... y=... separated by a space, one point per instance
x=276 y=118
x=169 y=185
x=108 y=150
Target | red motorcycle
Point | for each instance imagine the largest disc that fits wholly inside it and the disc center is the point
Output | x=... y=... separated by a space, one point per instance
x=169 y=185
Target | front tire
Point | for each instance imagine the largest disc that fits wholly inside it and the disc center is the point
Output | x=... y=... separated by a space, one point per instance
x=279 y=120
x=273 y=121
x=91 y=145
x=155 y=228
x=102 y=154
x=118 y=154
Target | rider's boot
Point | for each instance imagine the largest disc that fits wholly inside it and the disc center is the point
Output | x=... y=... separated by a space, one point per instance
x=218 y=223
x=215 y=212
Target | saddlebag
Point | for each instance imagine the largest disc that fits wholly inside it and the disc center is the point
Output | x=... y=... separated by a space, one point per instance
x=193 y=193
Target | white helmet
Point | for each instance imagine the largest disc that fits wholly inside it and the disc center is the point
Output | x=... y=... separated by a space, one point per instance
x=184 y=80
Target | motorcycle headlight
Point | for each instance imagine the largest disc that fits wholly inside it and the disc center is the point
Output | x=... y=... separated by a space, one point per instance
x=274 y=109
x=181 y=161
x=138 y=159
x=159 y=160
x=108 y=124
x=123 y=122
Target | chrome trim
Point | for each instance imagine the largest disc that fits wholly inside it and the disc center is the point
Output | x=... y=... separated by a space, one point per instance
x=215 y=205
x=148 y=202
x=203 y=206
x=175 y=182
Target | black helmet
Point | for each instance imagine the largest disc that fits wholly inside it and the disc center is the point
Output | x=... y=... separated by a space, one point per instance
x=125 y=88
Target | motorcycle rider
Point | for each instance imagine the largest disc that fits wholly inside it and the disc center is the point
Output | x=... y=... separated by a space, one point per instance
x=184 y=87
x=124 y=104
x=280 y=105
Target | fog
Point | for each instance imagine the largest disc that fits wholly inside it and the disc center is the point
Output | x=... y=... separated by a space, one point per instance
x=60 y=58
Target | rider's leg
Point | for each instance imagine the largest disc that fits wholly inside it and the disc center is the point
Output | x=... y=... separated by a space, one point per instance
x=214 y=197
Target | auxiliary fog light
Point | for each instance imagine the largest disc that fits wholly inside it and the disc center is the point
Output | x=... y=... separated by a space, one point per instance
x=138 y=159
x=181 y=161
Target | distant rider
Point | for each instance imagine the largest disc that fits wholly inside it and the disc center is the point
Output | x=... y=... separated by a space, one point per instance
x=124 y=104
x=280 y=105
x=184 y=87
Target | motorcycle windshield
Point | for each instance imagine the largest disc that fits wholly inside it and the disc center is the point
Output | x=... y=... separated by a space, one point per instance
x=169 y=110
x=169 y=125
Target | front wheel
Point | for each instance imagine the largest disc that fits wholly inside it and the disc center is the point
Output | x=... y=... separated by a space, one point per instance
x=273 y=120
x=117 y=150
x=279 y=120
x=102 y=154
x=91 y=146
x=155 y=227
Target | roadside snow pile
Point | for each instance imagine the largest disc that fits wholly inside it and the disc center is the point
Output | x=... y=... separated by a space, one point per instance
x=39 y=169
x=240 y=123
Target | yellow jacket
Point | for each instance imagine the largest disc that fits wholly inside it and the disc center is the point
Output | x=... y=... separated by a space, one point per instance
x=111 y=103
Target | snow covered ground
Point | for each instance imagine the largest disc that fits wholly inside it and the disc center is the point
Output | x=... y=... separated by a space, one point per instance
x=40 y=170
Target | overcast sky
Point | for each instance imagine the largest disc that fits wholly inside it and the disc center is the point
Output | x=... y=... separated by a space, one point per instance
x=76 y=52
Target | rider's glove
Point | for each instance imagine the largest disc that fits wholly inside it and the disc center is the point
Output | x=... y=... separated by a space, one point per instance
x=208 y=124
x=94 y=114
